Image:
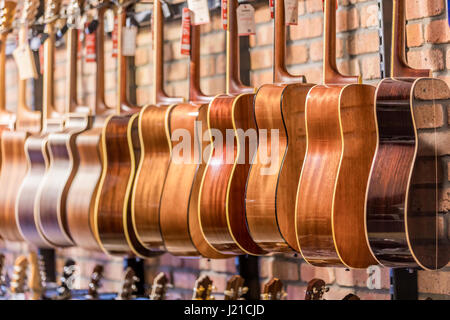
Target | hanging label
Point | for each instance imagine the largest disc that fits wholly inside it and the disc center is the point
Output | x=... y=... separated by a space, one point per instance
x=271 y=6
x=109 y=20
x=114 y=38
x=186 y=32
x=291 y=12
x=25 y=62
x=129 y=41
x=225 y=14
x=200 y=11
x=90 y=47
x=245 y=19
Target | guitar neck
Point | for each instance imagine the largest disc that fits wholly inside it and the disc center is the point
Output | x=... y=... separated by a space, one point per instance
x=385 y=34
x=3 y=38
x=71 y=73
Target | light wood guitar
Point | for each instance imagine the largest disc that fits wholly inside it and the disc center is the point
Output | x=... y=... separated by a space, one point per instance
x=14 y=158
x=341 y=142
x=18 y=285
x=27 y=204
x=408 y=183
x=36 y=279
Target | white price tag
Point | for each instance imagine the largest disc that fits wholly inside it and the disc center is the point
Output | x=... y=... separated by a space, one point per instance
x=200 y=11
x=25 y=62
x=291 y=12
x=129 y=41
x=245 y=19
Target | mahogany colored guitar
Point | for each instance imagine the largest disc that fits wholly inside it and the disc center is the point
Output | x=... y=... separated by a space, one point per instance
x=64 y=159
x=221 y=200
x=272 y=185
x=179 y=219
x=155 y=145
x=83 y=190
x=341 y=142
x=405 y=211
x=36 y=145
x=14 y=159
x=120 y=147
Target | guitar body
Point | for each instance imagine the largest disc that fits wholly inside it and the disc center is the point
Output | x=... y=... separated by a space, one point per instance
x=271 y=186
x=341 y=142
x=112 y=216
x=64 y=161
x=155 y=147
x=84 y=187
x=405 y=210
x=222 y=192
x=181 y=174
x=27 y=199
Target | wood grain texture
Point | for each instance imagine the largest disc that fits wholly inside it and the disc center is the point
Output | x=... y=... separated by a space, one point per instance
x=341 y=142
x=407 y=186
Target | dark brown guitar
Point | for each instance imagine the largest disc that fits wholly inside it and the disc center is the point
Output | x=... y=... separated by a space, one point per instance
x=235 y=287
x=38 y=158
x=14 y=158
x=408 y=183
x=341 y=142
x=272 y=185
x=95 y=282
x=128 y=285
x=159 y=287
x=316 y=289
x=203 y=288
x=180 y=227
x=273 y=290
x=155 y=145
x=84 y=187
x=64 y=159
x=222 y=190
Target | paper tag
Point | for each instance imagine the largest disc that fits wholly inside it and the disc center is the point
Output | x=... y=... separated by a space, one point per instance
x=114 y=38
x=271 y=6
x=225 y=14
x=129 y=41
x=90 y=47
x=245 y=19
x=291 y=12
x=110 y=20
x=200 y=11
x=186 y=32
x=25 y=62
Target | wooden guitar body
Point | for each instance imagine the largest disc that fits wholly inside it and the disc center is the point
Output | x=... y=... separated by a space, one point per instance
x=64 y=162
x=156 y=148
x=222 y=191
x=341 y=142
x=27 y=200
x=405 y=210
x=271 y=186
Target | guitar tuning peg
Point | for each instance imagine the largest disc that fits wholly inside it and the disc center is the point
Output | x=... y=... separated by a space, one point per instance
x=169 y=285
x=244 y=290
x=327 y=289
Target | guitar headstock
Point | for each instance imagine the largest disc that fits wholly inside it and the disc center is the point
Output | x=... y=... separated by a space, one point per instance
x=3 y=289
x=29 y=12
x=235 y=288
x=316 y=289
x=95 y=283
x=203 y=288
x=67 y=279
x=351 y=296
x=159 y=287
x=36 y=282
x=52 y=10
x=129 y=284
x=74 y=12
x=19 y=277
x=7 y=15
x=273 y=290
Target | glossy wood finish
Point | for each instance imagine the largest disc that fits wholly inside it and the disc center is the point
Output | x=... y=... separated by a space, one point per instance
x=156 y=146
x=341 y=142
x=272 y=183
x=83 y=189
x=407 y=185
x=64 y=159
x=36 y=145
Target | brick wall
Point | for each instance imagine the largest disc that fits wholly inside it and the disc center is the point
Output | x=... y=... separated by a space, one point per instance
x=428 y=39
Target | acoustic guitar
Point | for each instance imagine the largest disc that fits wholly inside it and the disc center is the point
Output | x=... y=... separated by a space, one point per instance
x=121 y=150
x=159 y=287
x=221 y=199
x=19 y=279
x=128 y=286
x=235 y=288
x=408 y=181
x=179 y=219
x=273 y=290
x=95 y=282
x=36 y=279
x=81 y=196
x=155 y=146
x=316 y=289
x=27 y=204
x=272 y=185
x=341 y=142
x=203 y=289
x=63 y=156
x=14 y=163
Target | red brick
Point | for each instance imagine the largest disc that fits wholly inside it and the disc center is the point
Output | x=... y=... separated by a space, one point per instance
x=423 y=8
x=295 y=292
x=224 y=265
x=184 y=280
x=429 y=116
x=427 y=58
x=308 y=272
x=371 y=67
x=414 y=35
x=213 y=86
x=264 y=35
x=364 y=43
x=191 y=263
x=337 y=293
x=314 y=29
x=373 y=295
x=260 y=77
x=170 y=260
x=347 y=20
x=262 y=14
x=260 y=59
x=142 y=56
x=369 y=16
x=296 y=54
x=313 y=6
x=437 y=282
x=437 y=32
